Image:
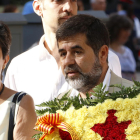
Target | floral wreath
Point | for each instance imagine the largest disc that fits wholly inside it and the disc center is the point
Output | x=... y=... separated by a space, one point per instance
x=110 y=116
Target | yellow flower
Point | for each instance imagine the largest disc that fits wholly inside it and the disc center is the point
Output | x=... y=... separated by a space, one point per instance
x=82 y=120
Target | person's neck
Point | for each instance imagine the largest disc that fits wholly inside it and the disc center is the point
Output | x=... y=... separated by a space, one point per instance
x=51 y=44
x=117 y=47
x=101 y=79
x=50 y=38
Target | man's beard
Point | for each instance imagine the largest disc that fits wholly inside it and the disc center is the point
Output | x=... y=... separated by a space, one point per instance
x=85 y=81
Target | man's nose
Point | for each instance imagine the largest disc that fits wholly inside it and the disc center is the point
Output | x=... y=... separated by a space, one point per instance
x=67 y=6
x=69 y=60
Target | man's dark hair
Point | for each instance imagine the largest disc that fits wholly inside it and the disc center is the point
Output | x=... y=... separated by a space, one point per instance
x=5 y=39
x=95 y=31
x=116 y=23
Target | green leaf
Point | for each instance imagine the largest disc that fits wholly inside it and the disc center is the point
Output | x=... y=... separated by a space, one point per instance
x=37 y=136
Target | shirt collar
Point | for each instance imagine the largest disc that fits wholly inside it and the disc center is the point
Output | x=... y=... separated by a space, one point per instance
x=107 y=79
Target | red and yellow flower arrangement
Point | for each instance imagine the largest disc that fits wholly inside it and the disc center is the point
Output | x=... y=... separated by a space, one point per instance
x=111 y=119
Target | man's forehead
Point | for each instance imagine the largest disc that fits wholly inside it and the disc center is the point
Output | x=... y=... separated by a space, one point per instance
x=73 y=39
x=70 y=47
x=67 y=43
x=74 y=42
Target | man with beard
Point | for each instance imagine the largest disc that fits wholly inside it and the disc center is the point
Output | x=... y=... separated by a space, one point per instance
x=83 y=47
x=38 y=71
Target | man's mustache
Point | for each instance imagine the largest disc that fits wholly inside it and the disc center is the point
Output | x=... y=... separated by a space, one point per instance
x=72 y=68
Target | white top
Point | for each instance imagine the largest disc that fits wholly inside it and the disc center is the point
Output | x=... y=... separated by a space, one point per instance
x=114 y=63
x=127 y=60
x=36 y=72
x=4 y=117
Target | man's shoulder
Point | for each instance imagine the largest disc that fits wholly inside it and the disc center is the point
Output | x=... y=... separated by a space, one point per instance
x=120 y=80
x=116 y=80
x=127 y=83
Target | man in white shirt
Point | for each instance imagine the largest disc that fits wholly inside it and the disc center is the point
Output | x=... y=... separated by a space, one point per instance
x=84 y=55
x=37 y=71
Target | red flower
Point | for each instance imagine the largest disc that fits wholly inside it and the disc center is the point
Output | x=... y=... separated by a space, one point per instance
x=64 y=135
x=111 y=129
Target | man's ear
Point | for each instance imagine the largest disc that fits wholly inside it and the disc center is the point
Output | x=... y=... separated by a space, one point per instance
x=103 y=54
x=37 y=7
x=6 y=60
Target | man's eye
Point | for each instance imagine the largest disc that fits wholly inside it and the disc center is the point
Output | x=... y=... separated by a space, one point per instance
x=62 y=54
x=78 y=52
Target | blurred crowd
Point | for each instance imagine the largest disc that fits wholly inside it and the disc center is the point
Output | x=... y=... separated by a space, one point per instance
x=123 y=26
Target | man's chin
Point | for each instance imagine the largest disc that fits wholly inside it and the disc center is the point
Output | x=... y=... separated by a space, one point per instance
x=75 y=83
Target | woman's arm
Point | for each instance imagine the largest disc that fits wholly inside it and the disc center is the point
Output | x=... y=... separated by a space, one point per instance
x=26 y=119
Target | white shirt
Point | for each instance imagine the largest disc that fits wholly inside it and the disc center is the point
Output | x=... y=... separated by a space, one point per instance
x=114 y=63
x=36 y=72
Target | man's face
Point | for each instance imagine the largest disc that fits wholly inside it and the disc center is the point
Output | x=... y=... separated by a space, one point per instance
x=55 y=12
x=99 y=5
x=80 y=66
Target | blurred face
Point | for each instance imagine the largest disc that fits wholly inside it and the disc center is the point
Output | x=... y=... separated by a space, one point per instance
x=79 y=64
x=55 y=12
x=123 y=36
x=99 y=5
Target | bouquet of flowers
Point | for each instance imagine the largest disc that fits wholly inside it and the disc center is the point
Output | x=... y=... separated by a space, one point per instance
x=107 y=117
